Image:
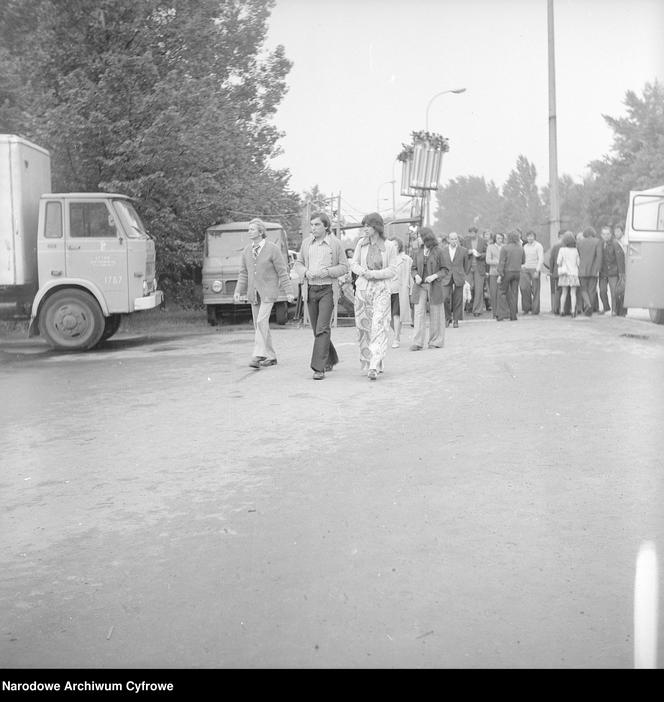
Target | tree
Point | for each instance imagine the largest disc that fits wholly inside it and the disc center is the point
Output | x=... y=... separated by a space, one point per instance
x=468 y=200
x=572 y=198
x=636 y=160
x=522 y=204
x=169 y=102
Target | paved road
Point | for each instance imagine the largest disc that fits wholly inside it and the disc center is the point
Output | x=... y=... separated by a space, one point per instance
x=478 y=506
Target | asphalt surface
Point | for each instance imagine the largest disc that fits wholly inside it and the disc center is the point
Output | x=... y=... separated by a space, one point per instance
x=478 y=506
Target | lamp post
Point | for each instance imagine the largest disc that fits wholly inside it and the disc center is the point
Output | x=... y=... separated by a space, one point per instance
x=393 y=181
x=426 y=203
x=443 y=92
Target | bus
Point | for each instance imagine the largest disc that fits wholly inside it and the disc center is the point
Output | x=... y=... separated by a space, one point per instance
x=644 y=259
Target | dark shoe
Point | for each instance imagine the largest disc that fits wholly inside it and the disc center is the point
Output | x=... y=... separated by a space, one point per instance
x=256 y=361
x=415 y=347
x=455 y=325
x=372 y=374
x=476 y=314
x=434 y=346
x=269 y=362
x=448 y=322
x=318 y=375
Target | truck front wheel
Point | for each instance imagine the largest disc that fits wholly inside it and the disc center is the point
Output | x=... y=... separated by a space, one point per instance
x=657 y=316
x=111 y=325
x=71 y=320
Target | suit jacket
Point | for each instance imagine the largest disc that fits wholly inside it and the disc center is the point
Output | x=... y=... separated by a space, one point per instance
x=479 y=263
x=590 y=254
x=553 y=259
x=455 y=270
x=613 y=259
x=512 y=257
x=434 y=264
x=267 y=275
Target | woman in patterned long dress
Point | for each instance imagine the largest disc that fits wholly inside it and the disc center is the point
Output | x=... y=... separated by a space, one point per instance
x=375 y=263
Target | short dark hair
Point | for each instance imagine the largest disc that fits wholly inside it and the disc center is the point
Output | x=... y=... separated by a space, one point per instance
x=588 y=232
x=399 y=244
x=373 y=219
x=529 y=232
x=323 y=218
x=472 y=230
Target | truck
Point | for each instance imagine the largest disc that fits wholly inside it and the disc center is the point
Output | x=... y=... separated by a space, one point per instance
x=77 y=261
x=222 y=255
x=644 y=258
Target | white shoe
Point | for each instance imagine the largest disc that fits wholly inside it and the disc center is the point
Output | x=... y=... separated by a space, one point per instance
x=395 y=344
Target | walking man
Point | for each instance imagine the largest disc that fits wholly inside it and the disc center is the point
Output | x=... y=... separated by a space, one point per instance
x=455 y=269
x=263 y=273
x=322 y=261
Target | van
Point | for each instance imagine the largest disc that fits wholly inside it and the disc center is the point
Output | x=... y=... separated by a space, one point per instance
x=222 y=256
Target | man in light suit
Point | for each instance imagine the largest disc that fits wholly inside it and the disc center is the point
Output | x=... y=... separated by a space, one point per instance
x=456 y=267
x=263 y=274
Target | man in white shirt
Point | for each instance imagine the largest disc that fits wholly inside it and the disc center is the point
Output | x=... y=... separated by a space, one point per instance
x=529 y=282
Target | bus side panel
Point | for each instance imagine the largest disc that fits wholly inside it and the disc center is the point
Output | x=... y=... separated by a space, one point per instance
x=644 y=282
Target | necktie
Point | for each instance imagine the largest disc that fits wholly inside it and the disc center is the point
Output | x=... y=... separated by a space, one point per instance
x=255 y=251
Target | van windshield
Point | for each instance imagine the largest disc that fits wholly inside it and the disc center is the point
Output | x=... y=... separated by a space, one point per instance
x=221 y=244
x=130 y=220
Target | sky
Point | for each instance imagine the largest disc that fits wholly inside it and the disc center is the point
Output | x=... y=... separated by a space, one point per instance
x=365 y=72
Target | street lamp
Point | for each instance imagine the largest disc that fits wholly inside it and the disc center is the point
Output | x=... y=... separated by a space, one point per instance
x=453 y=90
x=393 y=181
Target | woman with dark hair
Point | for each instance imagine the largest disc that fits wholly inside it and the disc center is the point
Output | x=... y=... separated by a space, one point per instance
x=375 y=263
x=428 y=271
x=568 y=271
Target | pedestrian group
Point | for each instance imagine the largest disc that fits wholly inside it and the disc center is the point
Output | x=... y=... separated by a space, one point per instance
x=444 y=277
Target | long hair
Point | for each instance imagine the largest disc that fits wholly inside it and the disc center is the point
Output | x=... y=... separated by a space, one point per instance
x=373 y=219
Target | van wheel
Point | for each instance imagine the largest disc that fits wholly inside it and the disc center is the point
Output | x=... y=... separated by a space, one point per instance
x=281 y=313
x=111 y=325
x=657 y=316
x=71 y=320
x=212 y=315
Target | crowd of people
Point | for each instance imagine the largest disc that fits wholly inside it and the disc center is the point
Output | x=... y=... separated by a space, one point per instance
x=444 y=278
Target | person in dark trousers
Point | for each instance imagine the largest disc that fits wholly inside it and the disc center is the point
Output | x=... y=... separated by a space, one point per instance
x=476 y=246
x=322 y=261
x=509 y=273
x=612 y=270
x=619 y=236
x=529 y=282
x=553 y=274
x=590 y=256
x=455 y=269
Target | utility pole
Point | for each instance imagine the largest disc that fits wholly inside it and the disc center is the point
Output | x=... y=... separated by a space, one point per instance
x=554 y=216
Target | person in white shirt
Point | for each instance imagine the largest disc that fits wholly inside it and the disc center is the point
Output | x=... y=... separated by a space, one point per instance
x=529 y=282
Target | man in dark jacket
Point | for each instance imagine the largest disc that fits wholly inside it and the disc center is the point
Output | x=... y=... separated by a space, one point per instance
x=612 y=269
x=509 y=272
x=456 y=268
x=590 y=260
x=553 y=274
x=476 y=246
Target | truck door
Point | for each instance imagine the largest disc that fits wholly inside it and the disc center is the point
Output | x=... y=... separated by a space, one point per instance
x=645 y=252
x=96 y=250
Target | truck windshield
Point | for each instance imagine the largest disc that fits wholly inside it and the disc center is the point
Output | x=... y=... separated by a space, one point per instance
x=130 y=220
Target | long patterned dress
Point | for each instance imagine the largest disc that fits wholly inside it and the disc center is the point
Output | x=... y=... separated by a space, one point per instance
x=372 y=314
